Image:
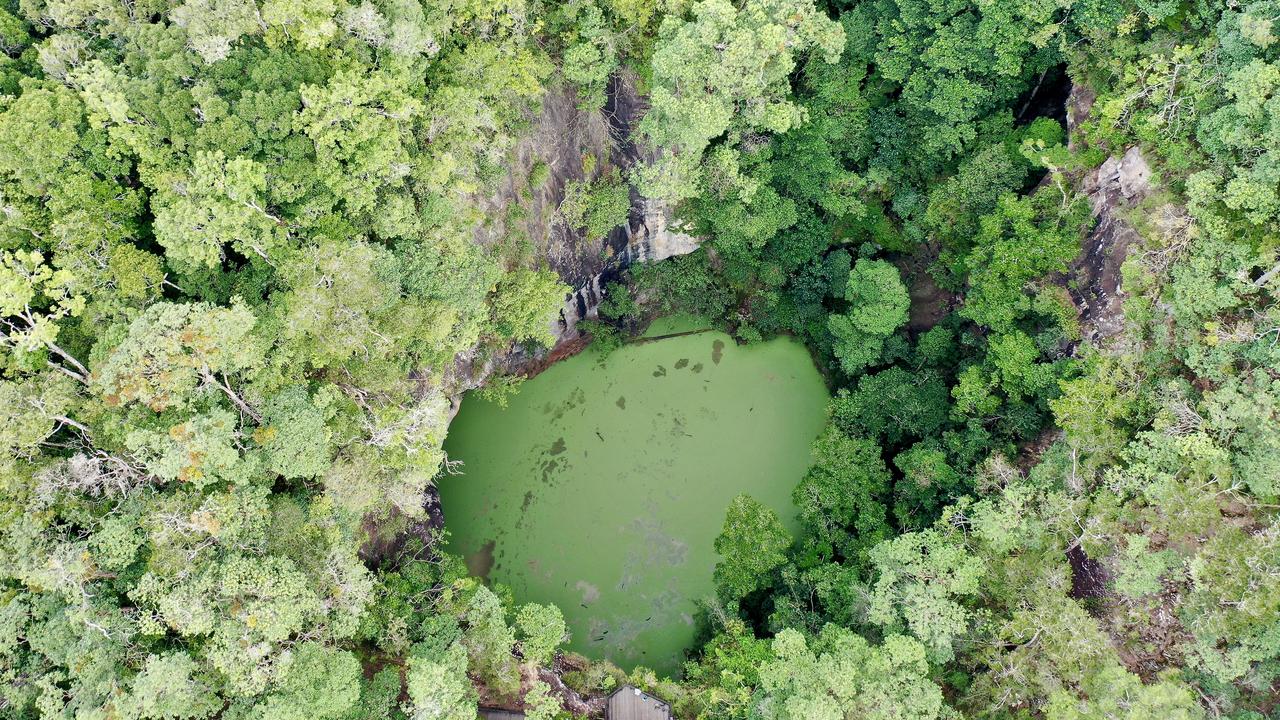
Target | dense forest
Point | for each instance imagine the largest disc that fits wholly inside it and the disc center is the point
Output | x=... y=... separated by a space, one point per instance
x=1032 y=244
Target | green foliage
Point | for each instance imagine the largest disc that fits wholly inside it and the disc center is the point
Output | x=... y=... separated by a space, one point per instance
x=841 y=498
x=920 y=579
x=1141 y=568
x=541 y=629
x=320 y=683
x=168 y=688
x=728 y=671
x=892 y=405
x=725 y=70
x=878 y=305
x=684 y=284
x=751 y=546
x=540 y=704
x=840 y=675
x=598 y=206
x=438 y=686
x=1023 y=240
x=240 y=281
x=525 y=303
x=1117 y=693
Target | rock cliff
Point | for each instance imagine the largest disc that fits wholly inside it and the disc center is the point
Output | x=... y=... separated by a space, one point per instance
x=1113 y=189
x=575 y=145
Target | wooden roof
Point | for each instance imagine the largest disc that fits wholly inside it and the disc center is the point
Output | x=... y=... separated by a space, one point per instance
x=630 y=703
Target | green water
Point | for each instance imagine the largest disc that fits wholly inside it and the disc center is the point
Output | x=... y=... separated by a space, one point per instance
x=603 y=484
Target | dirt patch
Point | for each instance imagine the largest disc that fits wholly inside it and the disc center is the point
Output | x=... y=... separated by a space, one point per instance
x=387 y=539
x=929 y=303
x=1089 y=578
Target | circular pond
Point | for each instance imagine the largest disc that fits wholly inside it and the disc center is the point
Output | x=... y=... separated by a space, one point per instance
x=602 y=485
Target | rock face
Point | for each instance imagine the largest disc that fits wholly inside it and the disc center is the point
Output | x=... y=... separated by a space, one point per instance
x=1115 y=187
x=575 y=145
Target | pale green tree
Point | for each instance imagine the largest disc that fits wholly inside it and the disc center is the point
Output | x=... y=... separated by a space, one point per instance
x=438 y=687
x=725 y=69
x=541 y=629
x=922 y=580
x=840 y=675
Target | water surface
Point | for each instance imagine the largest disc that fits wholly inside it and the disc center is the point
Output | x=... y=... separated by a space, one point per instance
x=603 y=484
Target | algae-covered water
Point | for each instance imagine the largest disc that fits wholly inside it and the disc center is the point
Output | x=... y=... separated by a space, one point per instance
x=602 y=485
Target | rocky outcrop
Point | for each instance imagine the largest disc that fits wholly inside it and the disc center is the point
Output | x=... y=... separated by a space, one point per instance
x=575 y=145
x=1113 y=189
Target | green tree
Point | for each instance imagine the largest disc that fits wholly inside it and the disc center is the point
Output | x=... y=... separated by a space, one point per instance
x=878 y=304
x=541 y=629
x=170 y=687
x=320 y=682
x=841 y=498
x=725 y=70
x=175 y=350
x=840 y=675
x=751 y=545
x=438 y=686
x=921 y=579
x=892 y=405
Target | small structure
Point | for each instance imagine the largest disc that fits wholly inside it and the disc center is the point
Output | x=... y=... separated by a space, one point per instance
x=500 y=714
x=632 y=703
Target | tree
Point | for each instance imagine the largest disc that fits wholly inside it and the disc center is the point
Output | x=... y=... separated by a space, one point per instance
x=920 y=580
x=540 y=704
x=891 y=405
x=525 y=304
x=357 y=122
x=878 y=304
x=929 y=481
x=489 y=641
x=541 y=629
x=174 y=350
x=220 y=201
x=213 y=26
x=320 y=683
x=1022 y=240
x=841 y=498
x=1117 y=693
x=198 y=452
x=27 y=282
x=841 y=675
x=170 y=688
x=751 y=545
x=295 y=432
x=438 y=686
x=725 y=70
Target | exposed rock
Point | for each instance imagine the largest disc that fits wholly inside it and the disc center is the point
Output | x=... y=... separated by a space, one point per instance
x=1089 y=578
x=1079 y=105
x=562 y=136
x=382 y=548
x=1114 y=188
